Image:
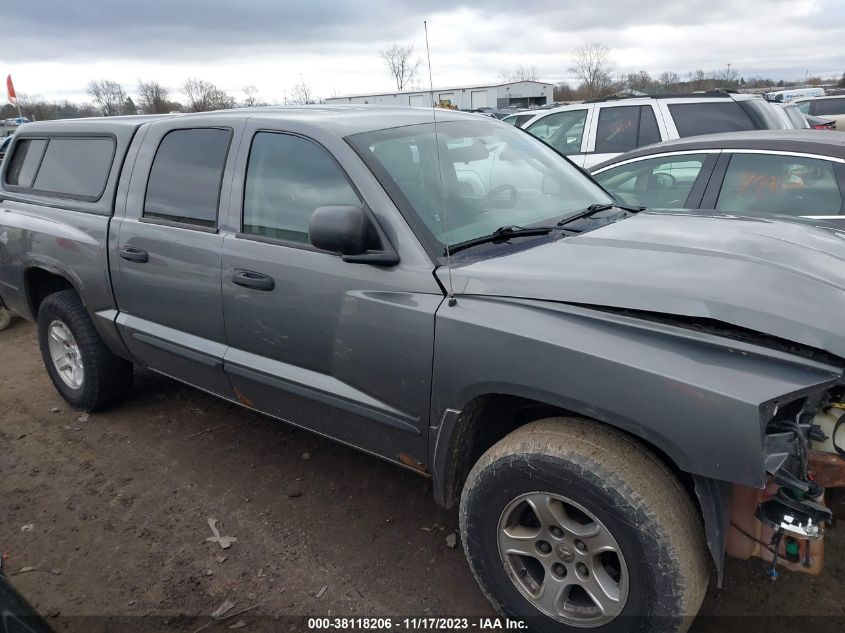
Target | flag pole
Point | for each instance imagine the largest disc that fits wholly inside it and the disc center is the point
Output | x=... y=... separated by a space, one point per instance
x=11 y=93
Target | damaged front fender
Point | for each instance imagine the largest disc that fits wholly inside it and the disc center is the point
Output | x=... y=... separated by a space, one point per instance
x=703 y=400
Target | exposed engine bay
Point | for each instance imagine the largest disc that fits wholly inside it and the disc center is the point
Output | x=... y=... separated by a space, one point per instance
x=784 y=523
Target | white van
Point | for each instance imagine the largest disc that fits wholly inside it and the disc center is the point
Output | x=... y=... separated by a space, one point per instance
x=785 y=96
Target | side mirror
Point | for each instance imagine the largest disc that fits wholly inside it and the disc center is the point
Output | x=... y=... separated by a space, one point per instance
x=340 y=229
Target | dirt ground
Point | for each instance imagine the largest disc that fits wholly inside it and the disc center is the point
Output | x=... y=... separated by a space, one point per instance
x=111 y=509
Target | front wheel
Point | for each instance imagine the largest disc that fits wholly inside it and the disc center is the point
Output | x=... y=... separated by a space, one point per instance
x=570 y=525
x=5 y=318
x=82 y=368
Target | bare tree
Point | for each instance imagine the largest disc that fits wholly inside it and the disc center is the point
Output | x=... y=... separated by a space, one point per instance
x=301 y=93
x=400 y=64
x=671 y=81
x=697 y=79
x=203 y=96
x=592 y=66
x=726 y=78
x=108 y=96
x=640 y=81
x=33 y=108
x=129 y=106
x=760 y=82
x=520 y=73
x=37 y=109
x=562 y=91
x=153 y=98
x=251 y=97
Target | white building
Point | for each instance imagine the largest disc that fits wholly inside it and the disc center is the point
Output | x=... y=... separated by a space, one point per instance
x=514 y=94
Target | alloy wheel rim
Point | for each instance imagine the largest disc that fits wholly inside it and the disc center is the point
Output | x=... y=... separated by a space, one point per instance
x=64 y=351
x=563 y=559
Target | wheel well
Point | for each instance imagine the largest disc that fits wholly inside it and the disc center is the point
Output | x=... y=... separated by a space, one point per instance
x=501 y=414
x=483 y=422
x=41 y=283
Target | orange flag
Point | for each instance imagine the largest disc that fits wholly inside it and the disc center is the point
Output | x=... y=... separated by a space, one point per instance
x=10 y=89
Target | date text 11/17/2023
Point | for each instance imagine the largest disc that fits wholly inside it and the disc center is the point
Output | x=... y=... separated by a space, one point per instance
x=415 y=624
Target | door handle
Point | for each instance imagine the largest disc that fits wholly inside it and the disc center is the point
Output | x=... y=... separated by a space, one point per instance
x=250 y=279
x=132 y=254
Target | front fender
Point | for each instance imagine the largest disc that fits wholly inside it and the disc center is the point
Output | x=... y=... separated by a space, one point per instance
x=701 y=399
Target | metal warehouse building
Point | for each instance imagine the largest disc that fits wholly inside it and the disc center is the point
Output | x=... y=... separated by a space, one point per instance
x=514 y=94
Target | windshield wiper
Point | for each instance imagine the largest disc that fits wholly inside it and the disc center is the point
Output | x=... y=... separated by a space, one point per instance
x=502 y=234
x=597 y=208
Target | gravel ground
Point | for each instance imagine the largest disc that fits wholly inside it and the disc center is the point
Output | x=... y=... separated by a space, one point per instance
x=111 y=510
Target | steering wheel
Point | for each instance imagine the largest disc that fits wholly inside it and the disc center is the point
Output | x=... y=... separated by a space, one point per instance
x=494 y=193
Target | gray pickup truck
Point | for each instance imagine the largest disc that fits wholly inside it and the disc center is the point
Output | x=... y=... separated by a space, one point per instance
x=615 y=399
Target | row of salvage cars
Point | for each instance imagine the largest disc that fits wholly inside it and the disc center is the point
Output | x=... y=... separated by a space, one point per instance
x=722 y=152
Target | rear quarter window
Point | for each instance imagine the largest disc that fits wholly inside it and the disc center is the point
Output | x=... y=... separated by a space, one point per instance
x=798 y=120
x=692 y=119
x=24 y=162
x=64 y=167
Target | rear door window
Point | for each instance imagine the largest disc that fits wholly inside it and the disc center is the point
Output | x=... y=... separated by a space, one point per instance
x=623 y=128
x=617 y=129
x=663 y=182
x=562 y=130
x=185 y=179
x=692 y=119
x=789 y=185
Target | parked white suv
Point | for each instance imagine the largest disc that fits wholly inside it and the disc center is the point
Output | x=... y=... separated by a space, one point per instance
x=592 y=132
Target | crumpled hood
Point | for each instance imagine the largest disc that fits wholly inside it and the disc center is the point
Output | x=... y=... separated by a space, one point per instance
x=779 y=278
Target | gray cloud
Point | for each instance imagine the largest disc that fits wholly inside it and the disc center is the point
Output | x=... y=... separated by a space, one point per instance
x=335 y=42
x=170 y=29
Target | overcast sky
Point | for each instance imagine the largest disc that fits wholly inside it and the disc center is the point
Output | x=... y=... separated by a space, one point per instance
x=54 y=47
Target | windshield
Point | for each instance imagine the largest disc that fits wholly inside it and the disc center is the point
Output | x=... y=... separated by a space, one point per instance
x=493 y=175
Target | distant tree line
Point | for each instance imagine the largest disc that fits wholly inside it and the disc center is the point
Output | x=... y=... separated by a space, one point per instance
x=597 y=77
x=110 y=98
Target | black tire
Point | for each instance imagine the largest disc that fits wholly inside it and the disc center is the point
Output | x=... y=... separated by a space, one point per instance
x=106 y=378
x=5 y=318
x=626 y=487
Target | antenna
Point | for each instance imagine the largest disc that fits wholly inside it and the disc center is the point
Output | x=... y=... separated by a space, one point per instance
x=452 y=300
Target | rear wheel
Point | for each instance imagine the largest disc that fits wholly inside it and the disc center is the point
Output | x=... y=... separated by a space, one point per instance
x=571 y=525
x=82 y=368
